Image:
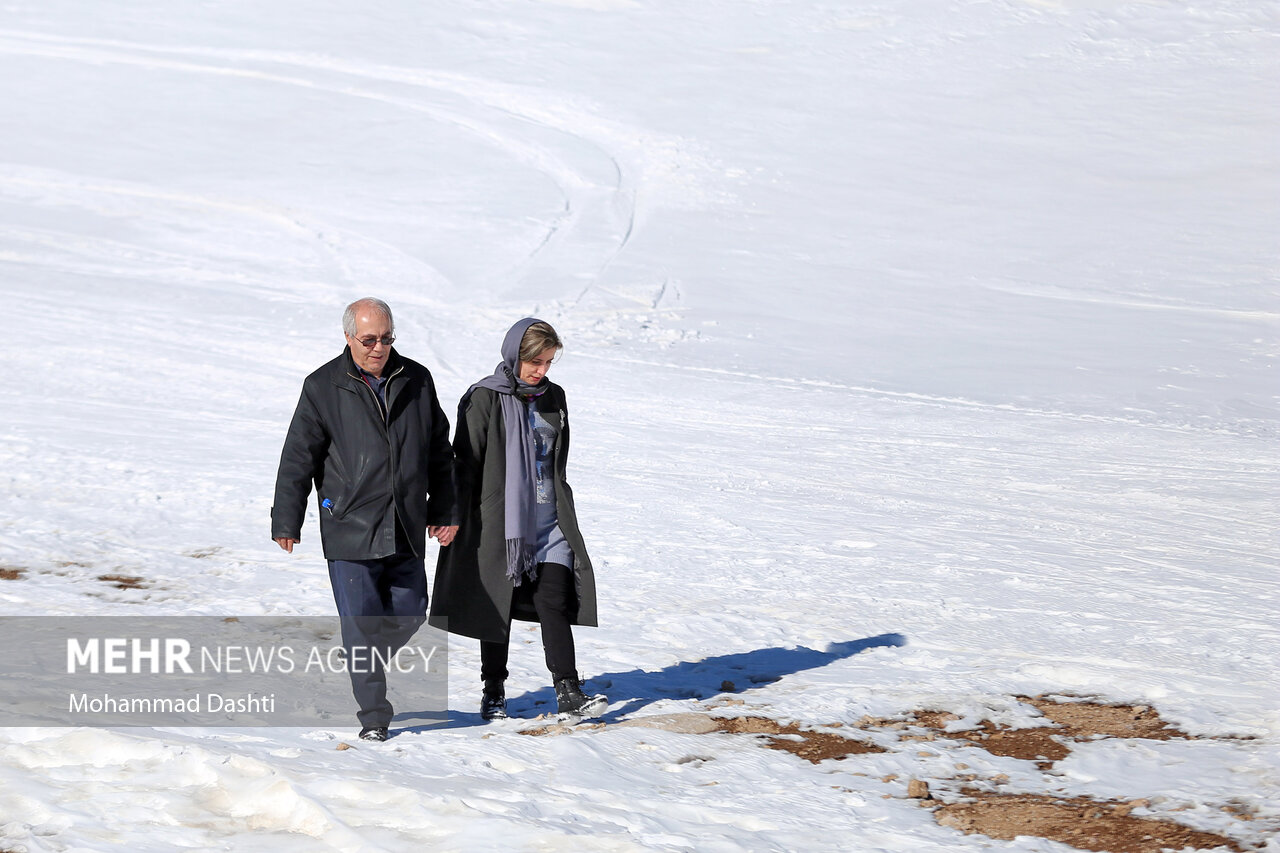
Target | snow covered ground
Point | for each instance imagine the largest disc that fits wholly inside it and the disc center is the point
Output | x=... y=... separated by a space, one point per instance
x=921 y=355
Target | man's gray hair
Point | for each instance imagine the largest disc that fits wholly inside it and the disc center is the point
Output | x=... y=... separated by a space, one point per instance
x=349 y=316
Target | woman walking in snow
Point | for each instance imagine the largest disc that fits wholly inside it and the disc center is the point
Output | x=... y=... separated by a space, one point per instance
x=518 y=552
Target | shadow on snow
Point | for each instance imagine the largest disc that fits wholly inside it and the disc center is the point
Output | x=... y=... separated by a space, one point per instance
x=634 y=689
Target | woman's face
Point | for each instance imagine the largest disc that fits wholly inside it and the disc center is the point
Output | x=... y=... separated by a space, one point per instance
x=532 y=371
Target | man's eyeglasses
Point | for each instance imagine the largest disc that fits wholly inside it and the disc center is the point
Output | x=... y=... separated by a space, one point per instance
x=369 y=343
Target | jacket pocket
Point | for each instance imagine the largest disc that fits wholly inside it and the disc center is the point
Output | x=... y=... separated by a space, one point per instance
x=344 y=507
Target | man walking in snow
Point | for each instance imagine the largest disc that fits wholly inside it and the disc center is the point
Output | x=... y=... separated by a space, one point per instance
x=370 y=433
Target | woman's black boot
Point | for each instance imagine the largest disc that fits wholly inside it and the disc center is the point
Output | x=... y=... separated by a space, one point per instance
x=572 y=702
x=493 y=703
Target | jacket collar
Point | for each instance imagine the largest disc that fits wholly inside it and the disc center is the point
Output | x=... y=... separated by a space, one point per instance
x=349 y=368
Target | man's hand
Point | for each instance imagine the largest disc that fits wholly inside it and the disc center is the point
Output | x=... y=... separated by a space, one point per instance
x=444 y=535
x=287 y=543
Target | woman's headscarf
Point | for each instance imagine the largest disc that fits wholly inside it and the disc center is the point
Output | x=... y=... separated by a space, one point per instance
x=520 y=502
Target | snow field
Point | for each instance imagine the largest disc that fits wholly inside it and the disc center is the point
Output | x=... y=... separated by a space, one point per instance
x=920 y=356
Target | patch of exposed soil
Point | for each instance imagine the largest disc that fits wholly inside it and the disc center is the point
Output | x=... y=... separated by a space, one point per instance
x=124 y=581
x=814 y=746
x=810 y=745
x=1070 y=721
x=1086 y=719
x=1082 y=823
x=8 y=573
x=1029 y=744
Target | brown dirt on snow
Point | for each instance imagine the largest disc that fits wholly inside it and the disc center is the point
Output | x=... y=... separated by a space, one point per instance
x=1070 y=721
x=1081 y=823
x=810 y=745
x=124 y=581
x=1036 y=745
x=813 y=746
x=1092 y=719
x=11 y=574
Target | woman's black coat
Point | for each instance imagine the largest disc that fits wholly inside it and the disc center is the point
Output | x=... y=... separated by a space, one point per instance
x=472 y=595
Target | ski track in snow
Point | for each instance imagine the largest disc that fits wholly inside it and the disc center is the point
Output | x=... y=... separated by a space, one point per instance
x=582 y=155
x=835 y=549
x=599 y=195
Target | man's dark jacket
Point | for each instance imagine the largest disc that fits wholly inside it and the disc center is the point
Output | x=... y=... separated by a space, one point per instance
x=369 y=468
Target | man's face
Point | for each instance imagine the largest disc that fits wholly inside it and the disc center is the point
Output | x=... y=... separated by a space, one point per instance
x=370 y=326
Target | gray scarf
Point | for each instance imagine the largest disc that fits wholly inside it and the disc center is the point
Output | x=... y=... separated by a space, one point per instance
x=520 y=506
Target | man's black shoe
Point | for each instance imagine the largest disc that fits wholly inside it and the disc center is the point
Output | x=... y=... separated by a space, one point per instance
x=374 y=733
